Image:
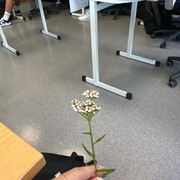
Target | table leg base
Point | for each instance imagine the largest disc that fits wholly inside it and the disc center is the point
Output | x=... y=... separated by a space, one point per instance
x=122 y=93
x=138 y=58
x=50 y=34
x=10 y=48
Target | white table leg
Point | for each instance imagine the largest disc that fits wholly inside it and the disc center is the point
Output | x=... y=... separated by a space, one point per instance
x=45 y=30
x=79 y=14
x=94 y=42
x=5 y=43
x=95 y=55
x=129 y=54
x=18 y=17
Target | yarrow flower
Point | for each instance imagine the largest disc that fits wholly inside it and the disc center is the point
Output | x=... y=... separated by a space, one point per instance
x=88 y=109
x=85 y=107
x=91 y=94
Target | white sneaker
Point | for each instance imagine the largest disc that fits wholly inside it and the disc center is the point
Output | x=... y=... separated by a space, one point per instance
x=4 y=23
x=85 y=17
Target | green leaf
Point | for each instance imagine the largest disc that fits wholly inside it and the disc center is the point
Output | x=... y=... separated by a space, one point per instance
x=87 y=133
x=106 y=172
x=88 y=152
x=99 y=139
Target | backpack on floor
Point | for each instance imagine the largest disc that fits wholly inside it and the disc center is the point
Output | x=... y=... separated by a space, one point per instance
x=156 y=17
x=59 y=163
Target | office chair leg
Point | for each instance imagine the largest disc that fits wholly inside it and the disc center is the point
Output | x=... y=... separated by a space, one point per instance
x=174 y=36
x=170 y=61
x=172 y=82
x=116 y=14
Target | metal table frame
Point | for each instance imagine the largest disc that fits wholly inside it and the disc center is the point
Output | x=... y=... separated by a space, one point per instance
x=5 y=43
x=94 y=8
x=44 y=31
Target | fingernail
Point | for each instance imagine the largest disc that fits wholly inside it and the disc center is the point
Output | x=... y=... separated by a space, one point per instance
x=100 y=178
x=100 y=167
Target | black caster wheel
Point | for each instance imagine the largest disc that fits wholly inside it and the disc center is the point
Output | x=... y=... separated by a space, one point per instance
x=172 y=83
x=46 y=14
x=58 y=11
x=115 y=18
x=163 y=45
x=170 y=63
x=40 y=30
x=29 y=17
x=153 y=36
x=24 y=19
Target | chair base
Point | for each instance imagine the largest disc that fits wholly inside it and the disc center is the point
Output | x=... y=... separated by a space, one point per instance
x=172 y=35
x=49 y=9
x=35 y=12
x=116 y=10
x=112 y=10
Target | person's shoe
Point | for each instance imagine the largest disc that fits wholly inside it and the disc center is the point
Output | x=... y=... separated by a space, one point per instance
x=85 y=17
x=18 y=13
x=4 y=23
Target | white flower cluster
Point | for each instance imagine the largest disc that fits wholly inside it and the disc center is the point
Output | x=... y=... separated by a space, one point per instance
x=84 y=107
x=91 y=94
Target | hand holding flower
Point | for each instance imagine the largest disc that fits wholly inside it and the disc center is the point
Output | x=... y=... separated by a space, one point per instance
x=88 y=109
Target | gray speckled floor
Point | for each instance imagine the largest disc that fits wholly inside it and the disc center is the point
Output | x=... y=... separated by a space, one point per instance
x=142 y=135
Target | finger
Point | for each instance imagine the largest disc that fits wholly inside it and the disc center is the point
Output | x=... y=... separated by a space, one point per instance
x=90 y=170
x=96 y=178
x=81 y=173
x=99 y=174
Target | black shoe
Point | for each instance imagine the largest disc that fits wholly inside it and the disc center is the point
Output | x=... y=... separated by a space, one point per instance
x=18 y=13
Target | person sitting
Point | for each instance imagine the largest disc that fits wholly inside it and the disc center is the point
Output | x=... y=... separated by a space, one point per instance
x=7 y=17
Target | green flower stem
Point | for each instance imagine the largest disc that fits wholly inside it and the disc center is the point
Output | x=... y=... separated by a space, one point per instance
x=92 y=143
